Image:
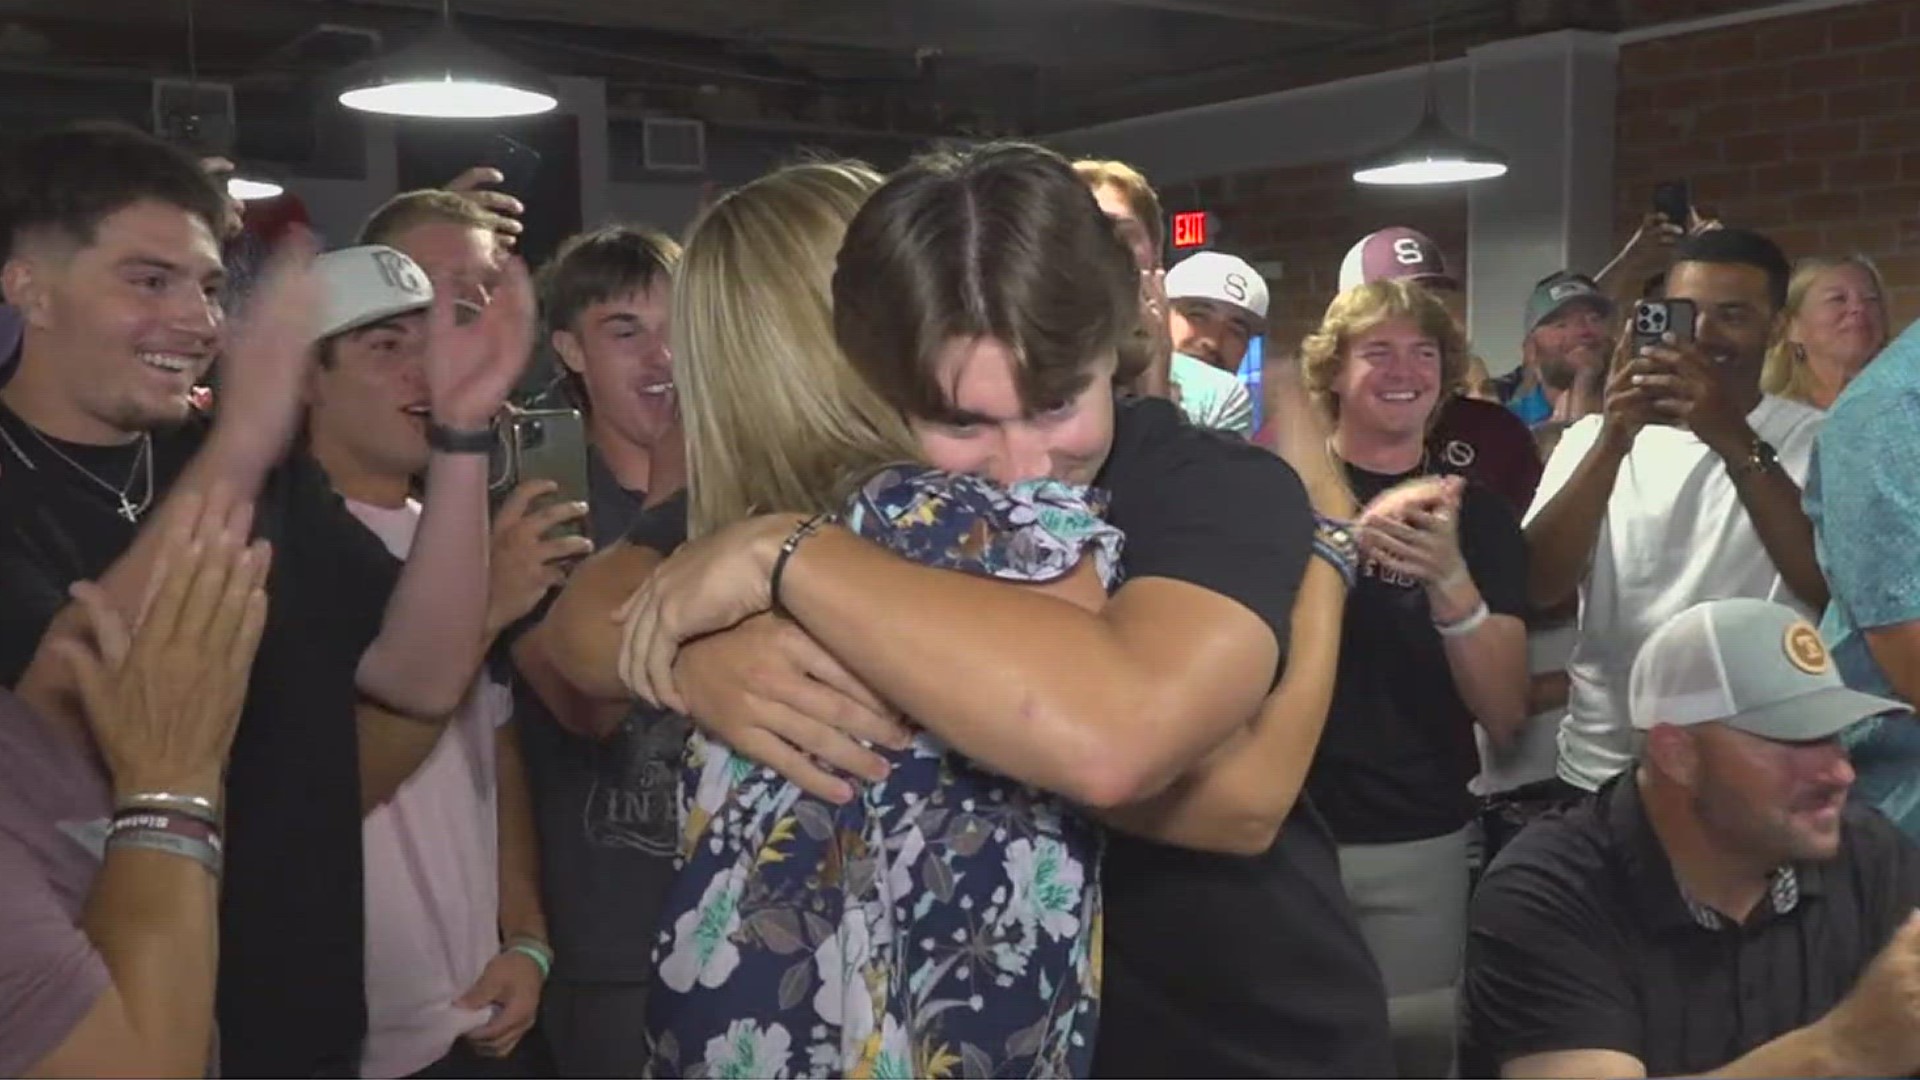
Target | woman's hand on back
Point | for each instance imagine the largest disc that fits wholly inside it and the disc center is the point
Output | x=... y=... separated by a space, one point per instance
x=708 y=585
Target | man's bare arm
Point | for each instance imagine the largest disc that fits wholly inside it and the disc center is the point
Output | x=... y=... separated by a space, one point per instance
x=580 y=636
x=1561 y=538
x=520 y=909
x=1236 y=801
x=1774 y=505
x=1106 y=709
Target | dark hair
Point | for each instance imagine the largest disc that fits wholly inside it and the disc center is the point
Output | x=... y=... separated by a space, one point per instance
x=426 y=206
x=1002 y=241
x=590 y=267
x=69 y=179
x=604 y=264
x=1740 y=247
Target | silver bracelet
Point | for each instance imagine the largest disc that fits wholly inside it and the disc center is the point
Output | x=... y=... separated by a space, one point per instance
x=1463 y=627
x=172 y=844
x=198 y=806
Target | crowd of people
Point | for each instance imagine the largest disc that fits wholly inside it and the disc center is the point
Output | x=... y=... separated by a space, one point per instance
x=966 y=661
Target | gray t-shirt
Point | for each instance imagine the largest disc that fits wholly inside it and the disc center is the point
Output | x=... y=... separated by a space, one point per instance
x=607 y=812
x=54 y=805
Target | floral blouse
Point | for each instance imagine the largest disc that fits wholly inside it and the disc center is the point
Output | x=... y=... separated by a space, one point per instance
x=946 y=922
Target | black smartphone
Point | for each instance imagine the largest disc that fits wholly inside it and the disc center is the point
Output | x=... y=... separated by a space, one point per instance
x=542 y=444
x=518 y=164
x=1654 y=319
x=1673 y=200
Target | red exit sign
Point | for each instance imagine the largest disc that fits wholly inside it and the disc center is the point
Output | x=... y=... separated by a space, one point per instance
x=1190 y=229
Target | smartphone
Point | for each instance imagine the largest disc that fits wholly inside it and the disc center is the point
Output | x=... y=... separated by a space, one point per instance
x=518 y=164
x=542 y=444
x=1673 y=200
x=1654 y=319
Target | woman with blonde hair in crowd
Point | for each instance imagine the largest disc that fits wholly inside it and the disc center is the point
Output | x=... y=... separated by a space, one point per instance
x=1835 y=324
x=1433 y=645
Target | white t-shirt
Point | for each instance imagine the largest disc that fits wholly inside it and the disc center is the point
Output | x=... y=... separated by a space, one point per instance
x=1534 y=754
x=1212 y=398
x=432 y=872
x=1675 y=535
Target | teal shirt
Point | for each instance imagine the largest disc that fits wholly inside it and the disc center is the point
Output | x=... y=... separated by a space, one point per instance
x=1863 y=497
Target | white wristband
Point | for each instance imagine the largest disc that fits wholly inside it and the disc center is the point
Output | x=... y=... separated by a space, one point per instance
x=1464 y=626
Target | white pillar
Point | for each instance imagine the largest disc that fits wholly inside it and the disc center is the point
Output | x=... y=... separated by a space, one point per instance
x=1548 y=103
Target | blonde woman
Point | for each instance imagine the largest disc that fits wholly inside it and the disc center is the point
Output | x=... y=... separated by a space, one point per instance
x=1836 y=323
x=1433 y=645
x=947 y=917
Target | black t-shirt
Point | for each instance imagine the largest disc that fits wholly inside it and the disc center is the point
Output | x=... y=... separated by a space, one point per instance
x=1580 y=939
x=607 y=811
x=1398 y=750
x=291 y=992
x=1217 y=965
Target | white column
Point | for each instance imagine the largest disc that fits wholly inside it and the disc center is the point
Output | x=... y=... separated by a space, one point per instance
x=1548 y=103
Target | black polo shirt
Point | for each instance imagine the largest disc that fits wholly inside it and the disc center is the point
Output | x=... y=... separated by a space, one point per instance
x=1581 y=939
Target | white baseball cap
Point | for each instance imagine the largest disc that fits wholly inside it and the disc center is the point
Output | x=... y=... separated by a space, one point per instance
x=366 y=284
x=1217 y=276
x=1749 y=664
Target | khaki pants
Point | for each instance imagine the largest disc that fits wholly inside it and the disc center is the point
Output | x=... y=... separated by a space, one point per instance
x=1411 y=900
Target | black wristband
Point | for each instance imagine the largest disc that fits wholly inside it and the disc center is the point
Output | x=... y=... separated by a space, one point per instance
x=455 y=441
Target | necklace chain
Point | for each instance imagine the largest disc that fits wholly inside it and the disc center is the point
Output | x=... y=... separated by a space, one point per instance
x=127 y=509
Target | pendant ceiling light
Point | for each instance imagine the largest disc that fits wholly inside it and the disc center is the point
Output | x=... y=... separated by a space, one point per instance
x=252 y=188
x=449 y=76
x=1431 y=153
x=242 y=184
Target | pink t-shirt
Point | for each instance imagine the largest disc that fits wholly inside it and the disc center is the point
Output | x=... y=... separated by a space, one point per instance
x=54 y=804
x=432 y=873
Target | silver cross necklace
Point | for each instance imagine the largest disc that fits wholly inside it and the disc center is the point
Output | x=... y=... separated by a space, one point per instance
x=143 y=458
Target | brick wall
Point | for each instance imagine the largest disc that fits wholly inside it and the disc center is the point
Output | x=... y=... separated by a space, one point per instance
x=1306 y=217
x=1806 y=127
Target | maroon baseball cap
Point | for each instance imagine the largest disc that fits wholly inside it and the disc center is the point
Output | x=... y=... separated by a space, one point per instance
x=1395 y=254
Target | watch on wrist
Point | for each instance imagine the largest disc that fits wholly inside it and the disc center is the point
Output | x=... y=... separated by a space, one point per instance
x=449 y=440
x=1761 y=457
x=1335 y=543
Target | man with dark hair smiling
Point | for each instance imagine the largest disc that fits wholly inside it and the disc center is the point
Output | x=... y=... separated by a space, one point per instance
x=1686 y=488
x=113 y=258
x=607 y=809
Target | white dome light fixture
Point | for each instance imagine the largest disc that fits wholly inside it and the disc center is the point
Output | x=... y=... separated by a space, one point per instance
x=449 y=76
x=1431 y=153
